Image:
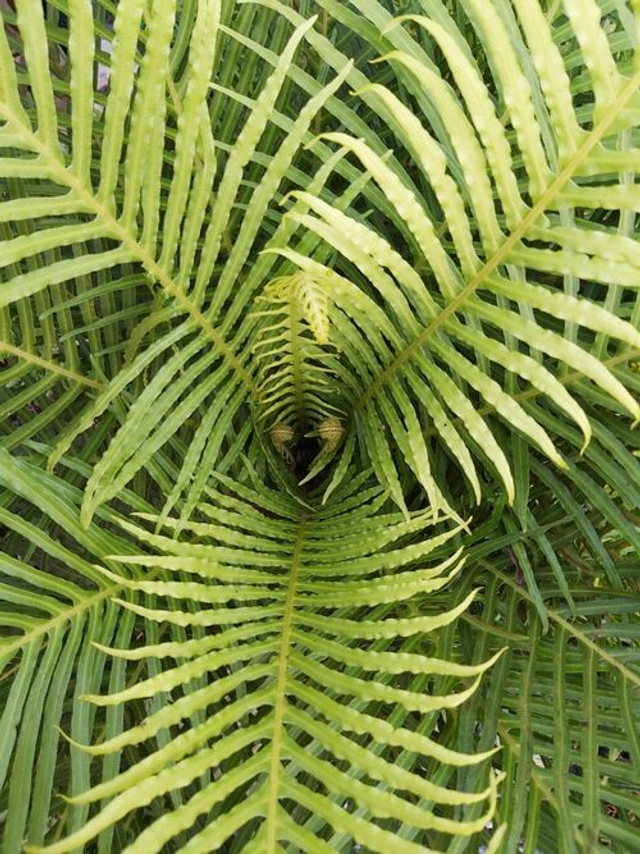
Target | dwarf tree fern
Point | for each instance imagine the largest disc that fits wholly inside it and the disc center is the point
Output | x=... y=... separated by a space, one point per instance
x=319 y=326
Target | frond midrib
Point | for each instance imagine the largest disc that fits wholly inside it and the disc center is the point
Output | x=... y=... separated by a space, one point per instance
x=273 y=782
x=67 y=616
x=296 y=354
x=51 y=625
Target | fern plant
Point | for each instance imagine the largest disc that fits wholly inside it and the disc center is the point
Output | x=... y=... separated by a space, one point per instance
x=319 y=488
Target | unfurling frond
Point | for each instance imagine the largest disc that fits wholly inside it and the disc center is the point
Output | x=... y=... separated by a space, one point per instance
x=297 y=362
x=330 y=431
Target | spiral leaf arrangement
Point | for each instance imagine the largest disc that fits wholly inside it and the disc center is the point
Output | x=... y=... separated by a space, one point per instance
x=318 y=487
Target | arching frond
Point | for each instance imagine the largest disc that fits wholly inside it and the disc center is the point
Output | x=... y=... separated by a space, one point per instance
x=53 y=602
x=500 y=273
x=568 y=693
x=298 y=655
x=131 y=219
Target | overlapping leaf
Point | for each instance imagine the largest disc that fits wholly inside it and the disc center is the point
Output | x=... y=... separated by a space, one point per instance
x=460 y=255
x=298 y=661
x=498 y=293
x=53 y=602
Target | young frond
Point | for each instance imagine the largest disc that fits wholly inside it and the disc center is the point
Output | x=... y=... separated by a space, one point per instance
x=297 y=361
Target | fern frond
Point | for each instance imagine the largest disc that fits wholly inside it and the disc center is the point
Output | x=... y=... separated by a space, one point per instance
x=566 y=716
x=303 y=614
x=53 y=601
x=143 y=225
x=450 y=332
x=295 y=363
x=401 y=254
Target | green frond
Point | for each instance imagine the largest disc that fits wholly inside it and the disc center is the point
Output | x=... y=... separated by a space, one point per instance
x=47 y=617
x=457 y=316
x=280 y=609
x=296 y=365
x=318 y=478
